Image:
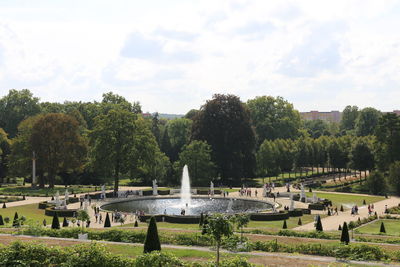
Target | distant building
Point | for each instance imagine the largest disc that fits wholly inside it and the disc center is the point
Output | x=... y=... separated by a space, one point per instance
x=332 y=116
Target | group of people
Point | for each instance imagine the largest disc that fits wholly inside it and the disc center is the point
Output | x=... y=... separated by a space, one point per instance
x=245 y=192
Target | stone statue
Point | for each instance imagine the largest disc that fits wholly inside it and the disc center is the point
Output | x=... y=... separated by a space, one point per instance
x=303 y=193
x=103 y=191
x=291 y=207
x=314 y=198
x=211 y=188
x=155 y=188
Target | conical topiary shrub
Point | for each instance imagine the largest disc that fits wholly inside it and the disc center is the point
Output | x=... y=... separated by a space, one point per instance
x=299 y=222
x=340 y=228
x=1 y=220
x=65 y=222
x=4 y=205
x=15 y=221
x=318 y=225
x=205 y=224
x=55 y=223
x=201 y=220
x=284 y=226
x=152 y=241
x=107 y=222
x=341 y=208
x=382 y=230
x=329 y=212
x=364 y=202
x=136 y=224
x=345 y=238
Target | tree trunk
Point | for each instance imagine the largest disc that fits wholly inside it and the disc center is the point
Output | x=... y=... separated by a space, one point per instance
x=116 y=178
x=51 y=175
x=41 y=180
x=217 y=254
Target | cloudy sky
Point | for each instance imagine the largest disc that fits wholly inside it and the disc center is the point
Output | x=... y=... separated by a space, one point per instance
x=173 y=55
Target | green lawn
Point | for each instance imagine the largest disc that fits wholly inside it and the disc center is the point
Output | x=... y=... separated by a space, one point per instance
x=347 y=200
x=30 y=211
x=392 y=227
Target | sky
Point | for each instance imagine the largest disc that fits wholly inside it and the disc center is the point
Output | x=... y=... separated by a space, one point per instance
x=173 y=55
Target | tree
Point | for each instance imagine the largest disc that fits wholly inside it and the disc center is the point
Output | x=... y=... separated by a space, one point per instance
x=382 y=229
x=367 y=121
x=361 y=155
x=152 y=241
x=65 y=222
x=191 y=114
x=122 y=144
x=16 y=107
x=5 y=144
x=318 y=225
x=394 y=176
x=224 y=123
x=284 y=226
x=197 y=156
x=273 y=118
x=317 y=128
x=179 y=135
x=16 y=220
x=349 y=117
x=155 y=128
x=388 y=140
x=267 y=159
x=55 y=223
x=241 y=221
x=376 y=183
x=107 y=222
x=112 y=101
x=219 y=226
x=58 y=144
x=345 y=238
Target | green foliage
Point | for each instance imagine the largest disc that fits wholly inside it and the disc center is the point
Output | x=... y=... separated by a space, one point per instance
x=284 y=226
x=376 y=183
x=57 y=141
x=299 y=222
x=345 y=238
x=83 y=216
x=367 y=121
x=157 y=259
x=1 y=220
x=197 y=156
x=224 y=123
x=55 y=223
x=274 y=118
x=65 y=222
x=179 y=136
x=241 y=221
x=152 y=241
x=349 y=117
x=394 y=174
x=382 y=229
x=388 y=140
x=107 y=222
x=318 y=225
x=16 y=222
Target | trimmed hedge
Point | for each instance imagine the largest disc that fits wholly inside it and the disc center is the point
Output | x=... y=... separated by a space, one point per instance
x=295 y=213
x=316 y=206
x=61 y=212
x=182 y=219
x=269 y=216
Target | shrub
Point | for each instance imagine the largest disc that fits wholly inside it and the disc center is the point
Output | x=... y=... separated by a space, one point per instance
x=156 y=259
x=4 y=205
x=284 y=226
x=318 y=225
x=382 y=230
x=299 y=222
x=136 y=224
x=345 y=238
x=1 y=220
x=152 y=241
x=15 y=221
x=65 y=222
x=55 y=223
x=107 y=222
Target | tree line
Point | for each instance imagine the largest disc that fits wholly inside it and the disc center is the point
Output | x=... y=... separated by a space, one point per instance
x=224 y=140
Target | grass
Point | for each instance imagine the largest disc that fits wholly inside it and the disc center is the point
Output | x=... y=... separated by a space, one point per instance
x=30 y=211
x=347 y=200
x=392 y=227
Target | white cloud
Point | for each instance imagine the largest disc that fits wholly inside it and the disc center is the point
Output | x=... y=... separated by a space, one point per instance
x=173 y=56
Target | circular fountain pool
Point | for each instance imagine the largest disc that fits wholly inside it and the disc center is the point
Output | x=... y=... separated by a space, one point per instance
x=174 y=206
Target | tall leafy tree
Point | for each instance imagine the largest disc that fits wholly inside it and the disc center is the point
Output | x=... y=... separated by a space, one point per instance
x=179 y=135
x=349 y=117
x=5 y=144
x=155 y=128
x=317 y=128
x=362 y=157
x=273 y=118
x=388 y=140
x=197 y=155
x=224 y=123
x=15 y=107
x=266 y=158
x=58 y=144
x=367 y=121
x=394 y=176
x=218 y=227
